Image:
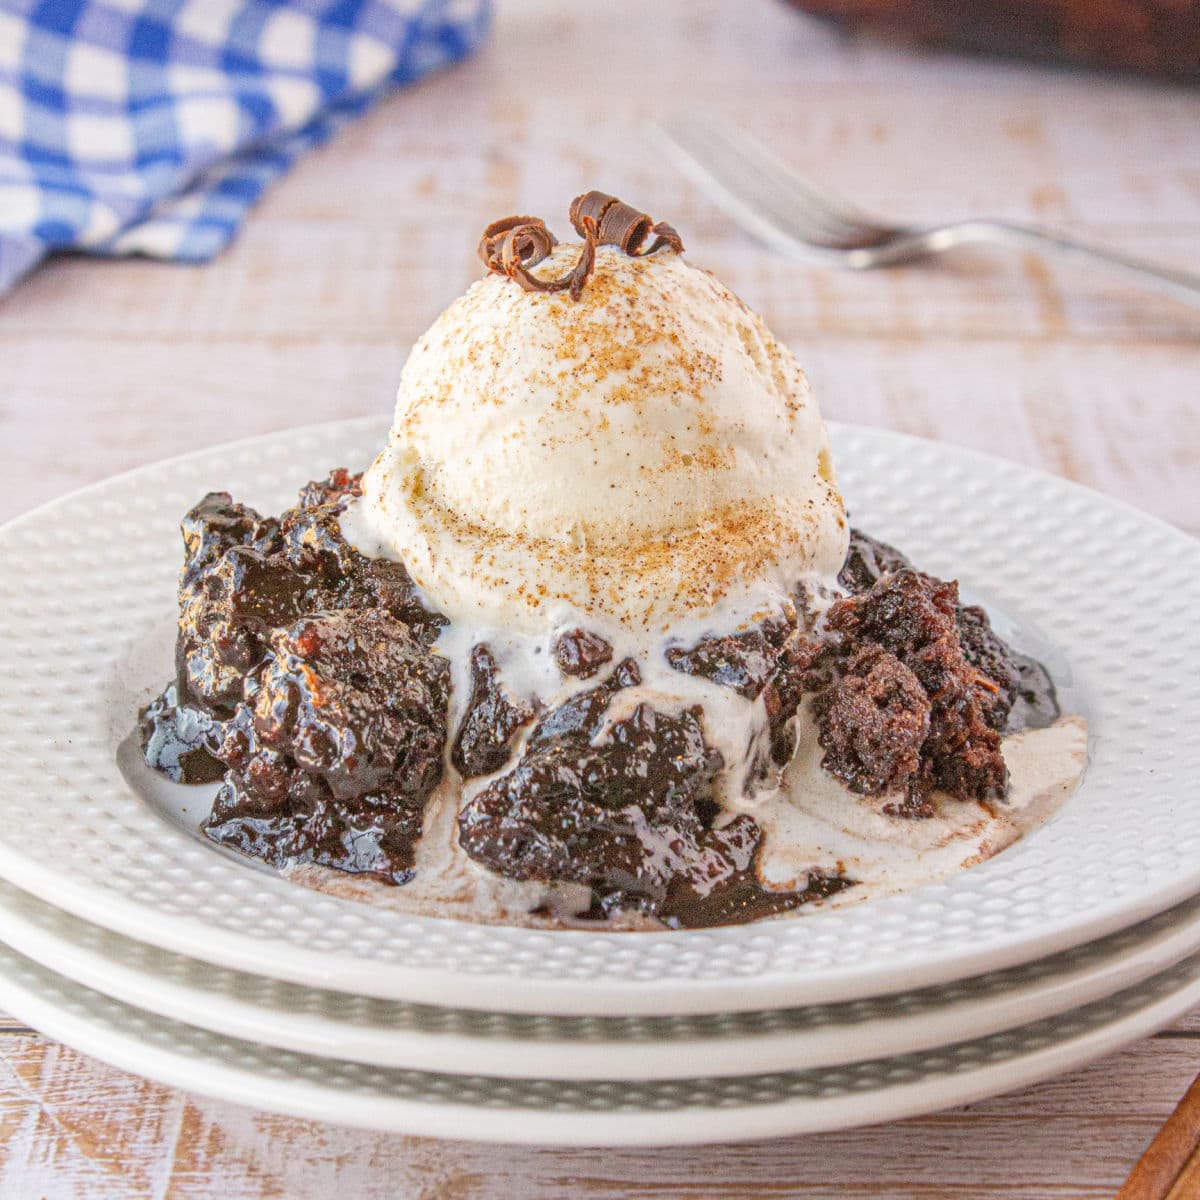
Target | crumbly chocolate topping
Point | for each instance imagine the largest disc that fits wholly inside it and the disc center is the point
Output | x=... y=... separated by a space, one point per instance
x=744 y=661
x=926 y=694
x=1024 y=697
x=911 y=689
x=513 y=245
x=308 y=682
x=305 y=677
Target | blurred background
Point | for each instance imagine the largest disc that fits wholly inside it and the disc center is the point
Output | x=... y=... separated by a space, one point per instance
x=308 y=315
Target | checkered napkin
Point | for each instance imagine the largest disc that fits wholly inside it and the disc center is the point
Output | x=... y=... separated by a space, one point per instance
x=152 y=126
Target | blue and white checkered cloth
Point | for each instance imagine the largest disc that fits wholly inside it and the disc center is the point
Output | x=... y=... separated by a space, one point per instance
x=152 y=126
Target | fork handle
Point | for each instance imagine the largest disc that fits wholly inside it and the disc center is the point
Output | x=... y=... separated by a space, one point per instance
x=1182 y=285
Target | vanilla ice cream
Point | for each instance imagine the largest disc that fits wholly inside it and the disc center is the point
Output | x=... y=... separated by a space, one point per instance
x=646 y=453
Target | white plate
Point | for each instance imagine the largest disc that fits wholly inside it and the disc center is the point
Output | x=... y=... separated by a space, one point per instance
x=86 y=603
x=554 y=1112
x=387 y=1033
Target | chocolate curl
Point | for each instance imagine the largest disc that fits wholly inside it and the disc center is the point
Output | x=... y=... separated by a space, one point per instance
x=587 y=258
x=665 y=235
x=620 y=224
x=512 y=245
x=513 y=241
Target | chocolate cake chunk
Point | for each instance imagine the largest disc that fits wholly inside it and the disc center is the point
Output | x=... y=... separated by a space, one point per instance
x=336 y=746
x=180 y=739
x=216 y=645
x=867 y=560
x=744 y=661
x=1036 y=705
x=311 y=535
x=628 y=812
x=798 y=670
x=914 y=618
x=582 y=716
x=216 y=524
x=772 y=660
x=375 y=834
x=1024 y=697
x=338 y=487
x=581 y=653
x=245 y=574
x=874 y=719
x=355 y=699
x=274 y=810
x=911 y=687
x=489 y=722
x=341 y=577
x=986 y=651
x=903 y=612
x=304 y=676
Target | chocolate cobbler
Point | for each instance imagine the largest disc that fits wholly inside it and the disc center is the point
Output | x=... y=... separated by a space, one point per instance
x=543 y=707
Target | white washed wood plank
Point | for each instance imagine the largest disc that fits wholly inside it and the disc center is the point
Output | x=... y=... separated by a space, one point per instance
x=72 y=1127
x=905 y=131
x=1120 y=421
x=377 y=229
x=326 y=279
x=900 y=129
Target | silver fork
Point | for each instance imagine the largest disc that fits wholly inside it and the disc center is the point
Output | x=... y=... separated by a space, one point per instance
x=800 y=220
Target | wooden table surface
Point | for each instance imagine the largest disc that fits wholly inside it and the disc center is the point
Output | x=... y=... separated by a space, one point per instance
x=308 y=317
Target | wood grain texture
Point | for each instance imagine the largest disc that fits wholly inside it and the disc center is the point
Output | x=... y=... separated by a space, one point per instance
x=104 y=366
x=72 y=1127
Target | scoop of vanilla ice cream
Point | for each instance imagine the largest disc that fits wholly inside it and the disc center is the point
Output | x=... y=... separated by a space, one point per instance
x=646 y=453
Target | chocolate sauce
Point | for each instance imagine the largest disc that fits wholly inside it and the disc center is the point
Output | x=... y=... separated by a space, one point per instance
x=630 y=815
x=489 y=722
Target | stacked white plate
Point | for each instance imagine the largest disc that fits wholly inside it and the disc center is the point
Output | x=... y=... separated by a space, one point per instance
x=126 y=935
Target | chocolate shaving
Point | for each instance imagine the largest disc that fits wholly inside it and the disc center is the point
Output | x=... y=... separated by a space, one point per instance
x=587 y=260
x=515 y=239
x=512 y=245
x=620 y=224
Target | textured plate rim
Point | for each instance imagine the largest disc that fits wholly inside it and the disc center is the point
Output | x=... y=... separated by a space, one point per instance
x=220 y=1079
x=1006 y=1004
x=512 y=993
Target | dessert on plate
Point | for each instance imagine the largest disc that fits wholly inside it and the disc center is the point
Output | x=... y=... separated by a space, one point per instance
x=591 y=642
